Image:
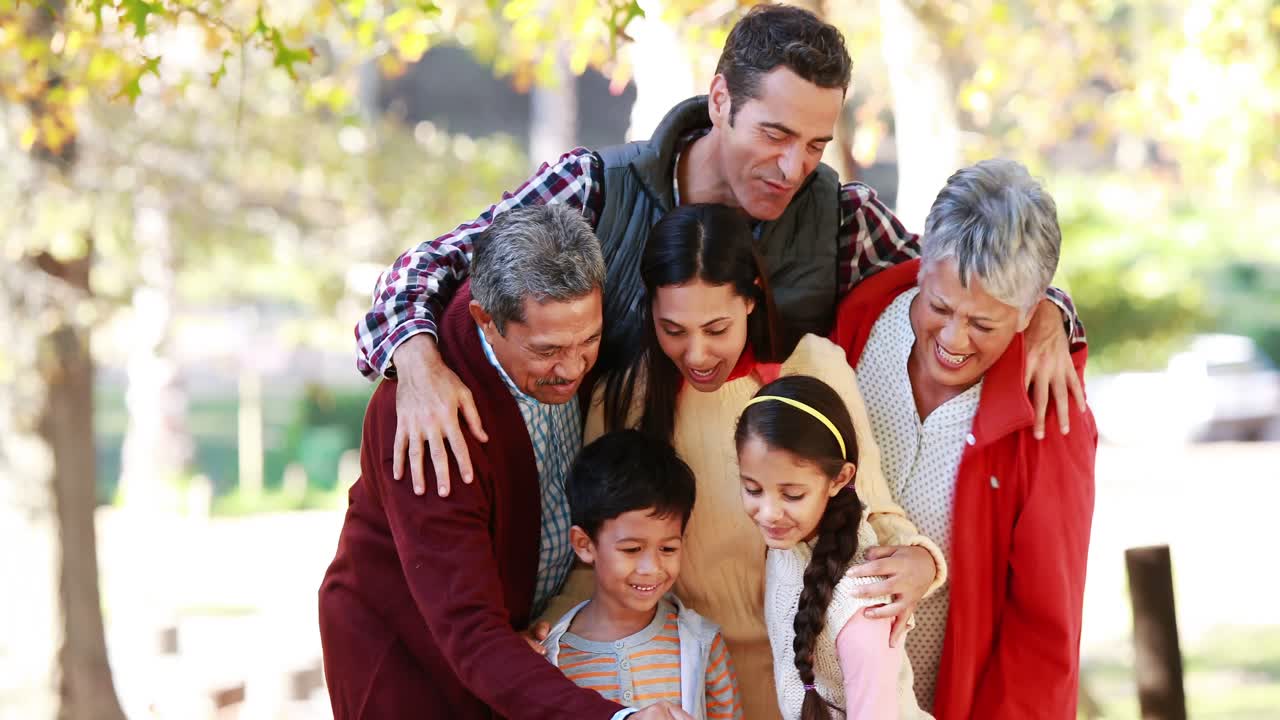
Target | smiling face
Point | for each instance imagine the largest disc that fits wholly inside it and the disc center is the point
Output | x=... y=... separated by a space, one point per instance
x=784 y=496
x=960 y=331
x=548 y=354
x=636 y=558
x=702 y=328
x=775 y=140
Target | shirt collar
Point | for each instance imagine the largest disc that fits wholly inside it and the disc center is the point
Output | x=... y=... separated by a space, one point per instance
x=502 y=373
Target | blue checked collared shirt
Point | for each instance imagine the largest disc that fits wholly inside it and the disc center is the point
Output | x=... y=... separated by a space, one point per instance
x=556 y=434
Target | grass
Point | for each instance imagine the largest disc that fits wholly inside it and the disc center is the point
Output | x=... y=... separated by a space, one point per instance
x=1234 y=672
x=234 y=503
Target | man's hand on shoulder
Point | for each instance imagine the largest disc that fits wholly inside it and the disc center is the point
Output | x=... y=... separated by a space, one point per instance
x=1049 y=367
x=429 y=397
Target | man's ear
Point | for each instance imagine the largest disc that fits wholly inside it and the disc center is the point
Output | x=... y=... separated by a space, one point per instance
x=480 y=316
x=718 y=102
x=582 y=545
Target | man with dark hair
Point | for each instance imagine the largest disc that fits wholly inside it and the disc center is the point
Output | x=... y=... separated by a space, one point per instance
x=754 y=142
x=421 y=607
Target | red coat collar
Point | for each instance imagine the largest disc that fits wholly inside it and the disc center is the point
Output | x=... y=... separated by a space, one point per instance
x=1003 y=407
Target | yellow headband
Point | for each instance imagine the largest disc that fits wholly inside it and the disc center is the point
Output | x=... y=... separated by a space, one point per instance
x=801 y=406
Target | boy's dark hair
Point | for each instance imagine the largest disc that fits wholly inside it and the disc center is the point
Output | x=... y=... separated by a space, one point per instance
x=771 y=36
x=624 y=471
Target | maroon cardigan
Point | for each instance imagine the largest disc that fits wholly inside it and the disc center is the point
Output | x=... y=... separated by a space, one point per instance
x=419 y=611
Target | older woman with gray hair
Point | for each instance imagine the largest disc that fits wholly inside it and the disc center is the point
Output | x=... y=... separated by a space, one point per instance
x=941 y=361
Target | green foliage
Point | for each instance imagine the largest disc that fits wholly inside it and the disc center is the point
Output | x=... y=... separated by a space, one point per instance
x=1148 y=267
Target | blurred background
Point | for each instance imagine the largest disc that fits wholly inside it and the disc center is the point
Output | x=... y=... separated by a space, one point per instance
x=197 y=197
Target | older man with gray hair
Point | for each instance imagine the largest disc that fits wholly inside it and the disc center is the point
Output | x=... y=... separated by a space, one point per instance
x=941 y=361
x=422 y=609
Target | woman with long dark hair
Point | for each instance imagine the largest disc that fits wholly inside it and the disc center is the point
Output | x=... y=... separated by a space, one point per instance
x=708 y=344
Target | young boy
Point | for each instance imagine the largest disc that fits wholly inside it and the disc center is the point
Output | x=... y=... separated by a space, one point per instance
x=630 y=497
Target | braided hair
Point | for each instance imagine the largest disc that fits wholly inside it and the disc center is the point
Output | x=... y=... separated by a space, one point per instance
x=784 y=427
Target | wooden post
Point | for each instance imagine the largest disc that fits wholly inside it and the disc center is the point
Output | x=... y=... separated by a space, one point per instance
x=249 y=433
x=1158 y=658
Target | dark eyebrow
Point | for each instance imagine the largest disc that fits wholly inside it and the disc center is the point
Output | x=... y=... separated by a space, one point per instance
x=784 y=129
x=705 y=324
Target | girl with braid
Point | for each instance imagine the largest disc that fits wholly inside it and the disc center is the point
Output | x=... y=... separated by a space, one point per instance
x=797 y=457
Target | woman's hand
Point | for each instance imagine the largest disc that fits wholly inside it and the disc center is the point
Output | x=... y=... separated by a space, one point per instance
x=907 y=571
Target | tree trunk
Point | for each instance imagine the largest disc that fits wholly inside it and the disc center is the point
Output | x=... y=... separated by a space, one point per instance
x=924 y=116
x=60 y=519
x=661 y=67
x=157 y=446
x=86 y=690
x=553 y=114
x=63 y=671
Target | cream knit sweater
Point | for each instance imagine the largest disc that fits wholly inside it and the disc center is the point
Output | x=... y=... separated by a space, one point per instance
x=723 y=564
x=785 y=581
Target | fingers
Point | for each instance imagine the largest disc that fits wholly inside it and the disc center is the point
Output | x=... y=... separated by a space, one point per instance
x=889 y=587
x=440 y=462
x=535 y=645
x=1040 y=400
x=1077 y=389
x=871 y=568
x=460 y=453
x=893 y=609
x=541 y=630
x=415 y=463
x=899 y=630
x=1033 y=364
x=467 y=404
x=876 y=552
x=676 y=713
x=1060 y=402
x=397 y=453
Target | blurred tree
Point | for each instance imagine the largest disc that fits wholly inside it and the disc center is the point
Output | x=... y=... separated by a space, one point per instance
x=63 y=650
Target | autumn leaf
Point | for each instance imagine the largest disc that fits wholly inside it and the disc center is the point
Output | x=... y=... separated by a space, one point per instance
x=136 y=13
x=133 y=86
x=216 y=76
x=286 y=57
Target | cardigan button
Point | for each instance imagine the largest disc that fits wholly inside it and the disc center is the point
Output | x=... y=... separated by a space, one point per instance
x=995 y=484
x=971 y=439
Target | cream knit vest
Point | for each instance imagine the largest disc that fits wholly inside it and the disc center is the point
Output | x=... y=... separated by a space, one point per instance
x=783 y=585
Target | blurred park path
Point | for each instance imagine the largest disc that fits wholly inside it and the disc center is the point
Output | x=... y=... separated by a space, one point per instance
x=241 y=592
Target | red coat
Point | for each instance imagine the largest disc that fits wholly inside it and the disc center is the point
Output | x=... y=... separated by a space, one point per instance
x=420 y=609
x=1020 y=537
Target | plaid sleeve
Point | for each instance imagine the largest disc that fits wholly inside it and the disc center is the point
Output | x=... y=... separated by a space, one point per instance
x=412 y=292
x=723 y=702
x=1070 y=318
x=872 y=238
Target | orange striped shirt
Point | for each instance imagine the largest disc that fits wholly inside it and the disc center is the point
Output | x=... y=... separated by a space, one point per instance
x=644 y=668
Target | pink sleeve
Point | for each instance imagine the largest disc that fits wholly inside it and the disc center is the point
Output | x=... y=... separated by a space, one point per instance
x=870 y=668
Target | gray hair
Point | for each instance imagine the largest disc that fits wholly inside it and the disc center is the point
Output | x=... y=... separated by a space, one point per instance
x=543 y=252
x=995 y=220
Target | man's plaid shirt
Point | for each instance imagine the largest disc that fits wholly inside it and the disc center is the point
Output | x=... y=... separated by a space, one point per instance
x=411 y=293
